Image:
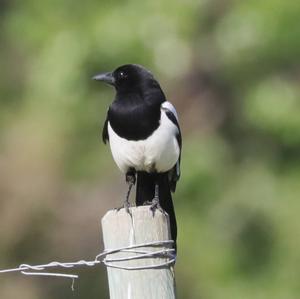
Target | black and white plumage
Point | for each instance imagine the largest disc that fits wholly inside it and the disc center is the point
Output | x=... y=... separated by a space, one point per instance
x=144 y=136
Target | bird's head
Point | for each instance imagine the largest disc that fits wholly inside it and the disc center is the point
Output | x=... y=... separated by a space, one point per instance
x=129 y=78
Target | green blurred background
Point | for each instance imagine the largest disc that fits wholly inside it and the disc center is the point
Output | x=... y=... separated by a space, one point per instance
x=232 y=70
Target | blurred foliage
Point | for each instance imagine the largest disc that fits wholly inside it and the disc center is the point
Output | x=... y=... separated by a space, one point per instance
x=232 y=70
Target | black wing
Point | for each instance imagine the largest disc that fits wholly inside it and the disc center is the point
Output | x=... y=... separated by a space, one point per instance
x=105 y=136
x=174 y=173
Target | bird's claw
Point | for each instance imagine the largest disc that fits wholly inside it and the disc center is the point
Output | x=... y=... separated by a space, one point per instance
x=125 y=206
x=155 y=205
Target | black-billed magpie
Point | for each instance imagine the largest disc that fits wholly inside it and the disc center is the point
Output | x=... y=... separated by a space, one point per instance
x=144 y=136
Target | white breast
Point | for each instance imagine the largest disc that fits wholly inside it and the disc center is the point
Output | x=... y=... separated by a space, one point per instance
x=159 y=152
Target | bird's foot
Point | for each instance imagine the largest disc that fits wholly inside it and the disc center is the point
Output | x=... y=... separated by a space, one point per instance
x=125 y=206
x=155 y=205
x=130 y=179
x=147 y=203
x=118 y=209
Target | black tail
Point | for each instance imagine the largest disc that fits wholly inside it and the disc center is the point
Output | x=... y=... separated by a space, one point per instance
x=145 y=192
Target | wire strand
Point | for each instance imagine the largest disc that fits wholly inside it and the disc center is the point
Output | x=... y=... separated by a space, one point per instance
x=166 y=253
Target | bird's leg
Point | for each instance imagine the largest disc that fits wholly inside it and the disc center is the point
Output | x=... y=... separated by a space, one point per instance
x=130 y=180
x=155 y=205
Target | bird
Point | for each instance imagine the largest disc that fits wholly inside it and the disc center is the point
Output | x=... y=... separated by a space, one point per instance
x=142 y=129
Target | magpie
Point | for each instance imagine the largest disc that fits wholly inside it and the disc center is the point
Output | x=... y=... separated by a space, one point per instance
x=143 y=132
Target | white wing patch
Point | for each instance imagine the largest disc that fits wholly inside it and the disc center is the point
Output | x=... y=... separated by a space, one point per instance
x=169 y=106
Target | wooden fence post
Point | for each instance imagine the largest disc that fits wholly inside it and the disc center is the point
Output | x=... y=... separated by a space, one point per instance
x=122 y=230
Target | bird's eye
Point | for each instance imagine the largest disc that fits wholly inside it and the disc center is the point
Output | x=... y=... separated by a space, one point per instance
x=122 y=75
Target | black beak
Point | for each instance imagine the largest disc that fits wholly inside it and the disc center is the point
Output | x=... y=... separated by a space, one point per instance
x=105 y=77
